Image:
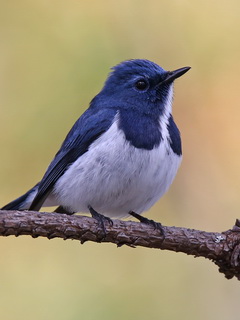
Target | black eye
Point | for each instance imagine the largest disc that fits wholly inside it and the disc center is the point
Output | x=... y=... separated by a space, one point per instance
x=141 y=84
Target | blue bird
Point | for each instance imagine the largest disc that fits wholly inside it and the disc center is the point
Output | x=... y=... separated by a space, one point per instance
x=122 y=154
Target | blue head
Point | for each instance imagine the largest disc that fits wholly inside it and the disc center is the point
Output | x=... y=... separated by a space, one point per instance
x=141 y=85
x=141 y=93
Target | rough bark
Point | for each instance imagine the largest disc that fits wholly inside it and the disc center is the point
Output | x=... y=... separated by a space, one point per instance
x=221 y=248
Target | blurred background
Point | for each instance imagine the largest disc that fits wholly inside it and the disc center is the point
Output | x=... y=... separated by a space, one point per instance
x=54 y=57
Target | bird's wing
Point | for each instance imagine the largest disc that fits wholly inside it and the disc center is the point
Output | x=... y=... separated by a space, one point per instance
x=90 y=126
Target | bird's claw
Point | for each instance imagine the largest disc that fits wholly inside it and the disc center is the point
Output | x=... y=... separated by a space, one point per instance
x=101 y=221
x=156 y=225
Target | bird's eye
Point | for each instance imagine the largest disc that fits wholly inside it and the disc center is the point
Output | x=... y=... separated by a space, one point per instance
x=141 y=84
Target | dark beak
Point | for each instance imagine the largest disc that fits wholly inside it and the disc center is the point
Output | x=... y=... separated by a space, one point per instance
x=172 y=75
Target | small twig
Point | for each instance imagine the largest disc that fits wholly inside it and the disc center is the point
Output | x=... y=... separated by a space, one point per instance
x=222 y=248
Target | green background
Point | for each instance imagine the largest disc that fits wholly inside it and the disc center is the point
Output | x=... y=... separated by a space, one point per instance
x=54 y=57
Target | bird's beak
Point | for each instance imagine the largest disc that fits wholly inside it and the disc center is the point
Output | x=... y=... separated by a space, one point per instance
x=172 y=75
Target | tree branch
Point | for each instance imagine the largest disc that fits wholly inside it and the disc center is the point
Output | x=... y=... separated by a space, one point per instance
x=221 y=248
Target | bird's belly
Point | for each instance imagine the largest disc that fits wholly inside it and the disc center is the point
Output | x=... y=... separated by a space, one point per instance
x=114 y=178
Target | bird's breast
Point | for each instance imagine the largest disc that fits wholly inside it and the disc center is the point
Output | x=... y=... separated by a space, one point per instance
x=114 y=177
x=143 y=131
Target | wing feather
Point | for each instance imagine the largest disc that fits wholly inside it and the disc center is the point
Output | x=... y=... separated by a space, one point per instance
x=89 y=127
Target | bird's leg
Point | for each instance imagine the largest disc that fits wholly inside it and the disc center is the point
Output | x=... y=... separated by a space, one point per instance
x=101 y=220
x=156 y=225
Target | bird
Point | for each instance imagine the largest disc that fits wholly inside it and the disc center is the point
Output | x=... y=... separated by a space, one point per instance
x=121 y=155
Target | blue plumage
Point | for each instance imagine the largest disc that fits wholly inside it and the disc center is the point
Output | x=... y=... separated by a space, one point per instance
x=122 y=154
x=142 y=131
x=174 y=136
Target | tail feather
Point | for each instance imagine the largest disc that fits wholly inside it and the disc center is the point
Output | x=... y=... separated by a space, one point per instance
x=23 y=202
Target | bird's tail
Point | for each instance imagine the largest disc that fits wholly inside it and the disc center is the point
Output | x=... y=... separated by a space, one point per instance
x=23 y=202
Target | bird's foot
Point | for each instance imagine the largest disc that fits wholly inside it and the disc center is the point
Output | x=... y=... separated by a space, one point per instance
x=101 y=221
x=156 y=225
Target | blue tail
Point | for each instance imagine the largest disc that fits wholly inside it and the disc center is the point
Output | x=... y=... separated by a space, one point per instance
x=23 y=202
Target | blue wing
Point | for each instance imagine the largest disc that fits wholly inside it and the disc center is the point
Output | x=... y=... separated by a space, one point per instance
x=90 y=126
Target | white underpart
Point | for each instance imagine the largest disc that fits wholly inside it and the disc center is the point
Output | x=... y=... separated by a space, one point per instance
x=114 y=177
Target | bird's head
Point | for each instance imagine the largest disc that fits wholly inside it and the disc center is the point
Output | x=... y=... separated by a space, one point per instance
x=142 y=85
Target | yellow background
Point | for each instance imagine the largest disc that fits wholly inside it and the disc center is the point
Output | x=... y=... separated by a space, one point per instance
x=54 y=57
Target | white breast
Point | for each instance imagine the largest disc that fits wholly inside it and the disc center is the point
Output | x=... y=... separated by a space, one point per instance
x=114 y=177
